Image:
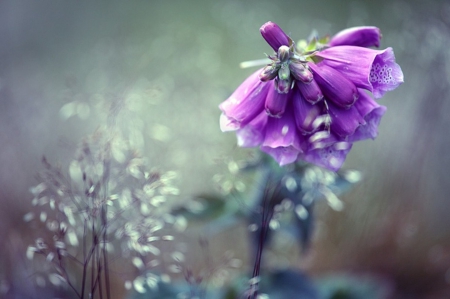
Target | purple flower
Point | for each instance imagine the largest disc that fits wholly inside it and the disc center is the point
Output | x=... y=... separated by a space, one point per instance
x=313 y=103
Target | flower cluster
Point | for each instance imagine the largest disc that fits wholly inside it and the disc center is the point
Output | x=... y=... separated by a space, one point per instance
x=311 y=101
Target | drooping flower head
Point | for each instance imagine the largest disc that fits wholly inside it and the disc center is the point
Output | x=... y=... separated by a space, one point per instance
x=312 y=101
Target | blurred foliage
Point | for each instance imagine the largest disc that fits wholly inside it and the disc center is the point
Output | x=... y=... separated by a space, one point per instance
x=281 y=284
x=345 y=286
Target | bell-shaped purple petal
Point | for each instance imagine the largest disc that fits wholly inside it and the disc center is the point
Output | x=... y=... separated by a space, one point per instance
x=385 y=74
x=253 y=133
x=374 y=70
x=306 y=115
x=364 y=36
x=372 y=113
x=335 y=86
x=282 y=140
x=276 y=102
x=344 y=122
x=274 y=35
x=282 y=131
x=327 y=151
x=245 y=103
x=311 y=91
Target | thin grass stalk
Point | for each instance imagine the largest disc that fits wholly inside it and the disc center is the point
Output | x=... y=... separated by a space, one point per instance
x=104 y=219
x=83 y=278
x=270 y=193
x=105 y=257
x=66 y=275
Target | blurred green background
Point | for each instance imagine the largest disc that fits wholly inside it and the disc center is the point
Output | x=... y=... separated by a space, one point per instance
x=166 y=65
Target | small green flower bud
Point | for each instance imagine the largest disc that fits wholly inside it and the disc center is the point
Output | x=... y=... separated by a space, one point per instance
x=284 y=53
x=284 y=72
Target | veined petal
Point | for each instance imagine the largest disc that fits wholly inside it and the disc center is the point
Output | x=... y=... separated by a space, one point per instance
x=364 y=36
x=344 y=122
x=374 y=70
x=252 y=134
x=276 y=102
x=305 y=114
x=334 y=85
x=245 y=103
x=274 y=35
x=372 y=113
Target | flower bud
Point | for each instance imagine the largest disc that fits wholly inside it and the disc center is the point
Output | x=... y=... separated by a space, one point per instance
x=310 y=91
x=274 y=35
x=284 y=73
x=365 y=36
x=299 y=72
x=268 y=73
x=284 y=53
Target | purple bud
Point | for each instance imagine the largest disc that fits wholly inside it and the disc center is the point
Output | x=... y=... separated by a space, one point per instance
x=283 y=86
x=276 y=103
x=274 y=35
x=268 y=73
x=300 y=72
x=334 y=85
x=310 y=91
x=357 y=36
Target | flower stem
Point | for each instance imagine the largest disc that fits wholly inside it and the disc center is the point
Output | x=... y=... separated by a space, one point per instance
x=270 y=192
x=104 y=252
